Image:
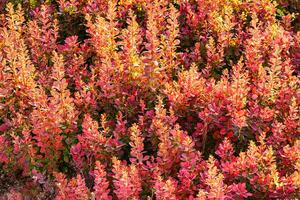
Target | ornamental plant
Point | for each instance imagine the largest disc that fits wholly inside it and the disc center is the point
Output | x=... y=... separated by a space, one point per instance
x=149 y=99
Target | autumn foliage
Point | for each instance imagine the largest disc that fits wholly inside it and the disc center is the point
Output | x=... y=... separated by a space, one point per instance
x=149 y=99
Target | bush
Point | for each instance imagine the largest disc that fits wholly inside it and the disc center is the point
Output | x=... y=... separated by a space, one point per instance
x=147 y=99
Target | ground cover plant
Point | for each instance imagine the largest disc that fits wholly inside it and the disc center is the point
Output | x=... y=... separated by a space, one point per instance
x=149 y=99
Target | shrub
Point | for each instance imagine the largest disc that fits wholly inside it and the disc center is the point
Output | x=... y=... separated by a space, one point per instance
x=149 y=99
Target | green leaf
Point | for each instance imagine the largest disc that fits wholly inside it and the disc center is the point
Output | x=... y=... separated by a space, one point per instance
x=280 y=12
x=33 y=3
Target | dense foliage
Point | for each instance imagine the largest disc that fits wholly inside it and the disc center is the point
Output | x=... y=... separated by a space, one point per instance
x=149 y=99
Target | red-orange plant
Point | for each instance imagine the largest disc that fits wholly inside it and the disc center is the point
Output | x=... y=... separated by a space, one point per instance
x=149 y=99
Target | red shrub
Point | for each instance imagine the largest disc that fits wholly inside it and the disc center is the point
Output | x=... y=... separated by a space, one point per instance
x=149 y=99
